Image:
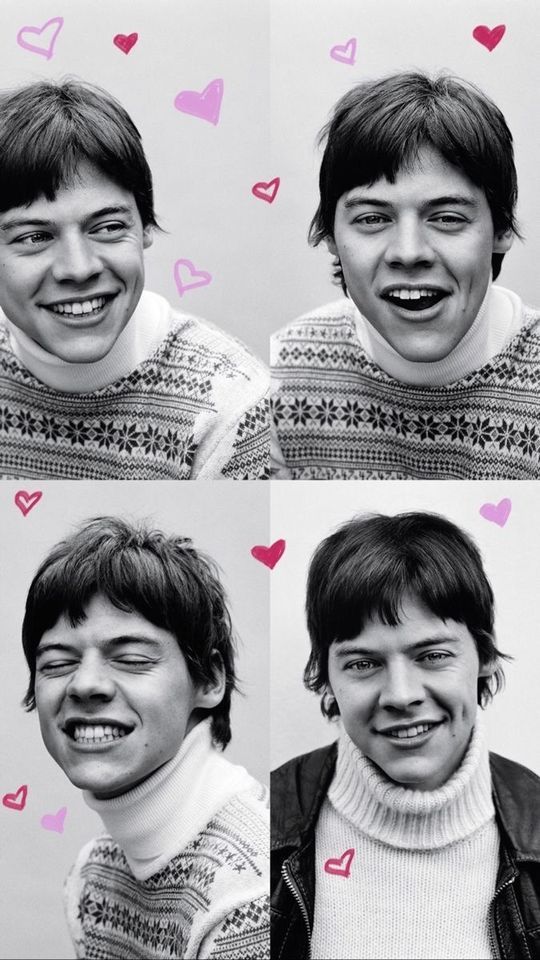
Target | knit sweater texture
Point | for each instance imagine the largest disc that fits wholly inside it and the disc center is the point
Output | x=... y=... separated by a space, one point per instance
x=195 y=408
x=182 y=871
x=404 y=873
x=339 y=415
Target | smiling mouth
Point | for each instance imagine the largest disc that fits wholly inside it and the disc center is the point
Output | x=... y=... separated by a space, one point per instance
x=85 y=309
x=409 y=733
x=415 y=300
x=94 y=733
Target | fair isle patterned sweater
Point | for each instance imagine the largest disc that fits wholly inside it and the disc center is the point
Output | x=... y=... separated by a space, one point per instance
x=340 y=416
x=197 y=408
x=186 y=876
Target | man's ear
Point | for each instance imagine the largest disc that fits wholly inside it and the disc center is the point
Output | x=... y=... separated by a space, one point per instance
x=503 y=241
x=211 y=694
x=148 y=236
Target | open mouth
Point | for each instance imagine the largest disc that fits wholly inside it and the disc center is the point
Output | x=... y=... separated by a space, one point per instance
x=412 y=733
x=80 y=309
x=415 y=299
x=94 y=733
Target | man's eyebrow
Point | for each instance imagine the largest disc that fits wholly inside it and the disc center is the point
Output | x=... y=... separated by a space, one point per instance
x=451 y=200
x=343 y=651
x=15 y=223
x=109 y=644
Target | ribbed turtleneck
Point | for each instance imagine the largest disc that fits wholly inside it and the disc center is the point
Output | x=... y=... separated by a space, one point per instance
x=157 y=819
x=498 y=320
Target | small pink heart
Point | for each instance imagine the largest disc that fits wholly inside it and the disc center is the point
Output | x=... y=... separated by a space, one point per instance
x=345 y=52
x=266 y=191
x=269 y=555
x=340 y=866
x=125 y=43
x=54 y=821
x=497 y=512
x=205 y=105
x=27 y=501
x=489 y=38
x=51 y=29
x=16 y=801
x=200 y=278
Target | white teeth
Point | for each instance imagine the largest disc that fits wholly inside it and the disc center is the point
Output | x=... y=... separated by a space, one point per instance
x=412 y=294
x=97 y=733
x=79 y=306
x=407 y=733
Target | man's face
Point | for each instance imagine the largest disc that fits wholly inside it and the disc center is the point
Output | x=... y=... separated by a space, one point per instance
x=114 y=697
x=416 y=255
x=71 y=269
x=407 y=694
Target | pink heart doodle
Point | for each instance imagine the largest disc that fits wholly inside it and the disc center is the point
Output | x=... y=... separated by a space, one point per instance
x=489 y=38
x=16 y=801
x=266 y=191
x=340 y=866
x=50 y=39
x=497 y=512
x=200 y=277
x=27 y=501
x=269 y=555
x=205 y=105
x=54 y=821
x=125 y=43
x=345 y=52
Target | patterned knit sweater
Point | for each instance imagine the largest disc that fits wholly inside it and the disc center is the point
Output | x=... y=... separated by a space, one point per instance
x=186 y=875
x=196 y=408
x=338 y=415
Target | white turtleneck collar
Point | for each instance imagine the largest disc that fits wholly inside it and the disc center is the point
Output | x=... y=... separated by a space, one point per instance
x=498 y=320
x=139 y=339
x=414 y=819
x=156 y=820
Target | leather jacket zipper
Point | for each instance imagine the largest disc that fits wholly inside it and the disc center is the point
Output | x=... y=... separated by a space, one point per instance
x=293 y=887
x=496 y=944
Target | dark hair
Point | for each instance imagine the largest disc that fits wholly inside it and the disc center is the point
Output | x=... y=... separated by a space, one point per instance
x=378 y=127
x=371 y=563
x=48 y=128
x=163 y=578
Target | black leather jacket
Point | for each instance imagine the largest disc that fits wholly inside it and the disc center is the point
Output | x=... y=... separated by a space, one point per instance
x=298 y=790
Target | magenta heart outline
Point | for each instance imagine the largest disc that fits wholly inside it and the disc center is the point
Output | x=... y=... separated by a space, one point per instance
x=54 y=821
x=205 y=105
x=489 y=38
x=345 y=52
x=10 y=800
x=266 y=191
x=340 y=866
x=27 y=501
x=271 y=555
x=203 y=278
x=48 y=52
x=497 y=512
x=125 y=41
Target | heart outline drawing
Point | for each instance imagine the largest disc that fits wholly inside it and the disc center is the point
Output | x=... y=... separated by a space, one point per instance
x=26 y=501
x=10 y=799
x=489 y=38
x=47 y=52
x=269 y=555
x=266 y=191
x=202 y=277
x=54 y=821
x=345 y=52
x=497 y=512
x=205 y=105
x=125 y=42
x=340 y=866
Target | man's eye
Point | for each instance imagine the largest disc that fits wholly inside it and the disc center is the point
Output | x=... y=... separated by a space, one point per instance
x=109 y=229
x=450 y=219
x=56 y=666
x=435 y=656
x=133 y=662
x=33 y=239
x=361 y=666
x=370 y=220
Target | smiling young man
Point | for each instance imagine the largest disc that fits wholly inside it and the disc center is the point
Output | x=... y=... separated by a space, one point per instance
x=406 y=838
x=130 y=647
x=426 y=369
x=99 y=378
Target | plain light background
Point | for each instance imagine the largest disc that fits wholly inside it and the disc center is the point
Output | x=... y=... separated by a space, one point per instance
x=225 y=524
x=203 y=174
x=391 y=35
x=304 y=513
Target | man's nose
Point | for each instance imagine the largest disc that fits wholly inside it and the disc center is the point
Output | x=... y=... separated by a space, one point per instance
x=402 y=688
x=91 y=679
x=409 y=244
x=75 y=259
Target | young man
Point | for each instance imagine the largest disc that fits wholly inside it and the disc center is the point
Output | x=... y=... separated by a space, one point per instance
x=426 y=370
x=98 y=378
x=130 y=647
x=406 y=838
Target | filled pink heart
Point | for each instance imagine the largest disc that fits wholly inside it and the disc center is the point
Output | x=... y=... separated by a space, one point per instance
x=269 y=555
x=497 y=512
x=345 y=52
x=26 y=501
x=48 y=34
x=340 y=866
x=205 y=105
x=16 y=801
x=54 y=821
x=489 y=38
x=125 y=43
x=196 y=278
x=266 y=191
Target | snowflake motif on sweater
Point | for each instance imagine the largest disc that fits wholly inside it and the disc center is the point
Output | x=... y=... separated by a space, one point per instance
x=340 y=416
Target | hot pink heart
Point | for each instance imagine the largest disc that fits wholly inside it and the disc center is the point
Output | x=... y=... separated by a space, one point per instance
x=345 y=52
x=125 y=43
x=269 y=555
x=205 y=105
x=51 y=29
x=497 y=512
x=27 y=501
x=489 y=38
x=340 y=866
x=16 y=801
x=54 y=821
x=200 y=278
x=266 y=191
